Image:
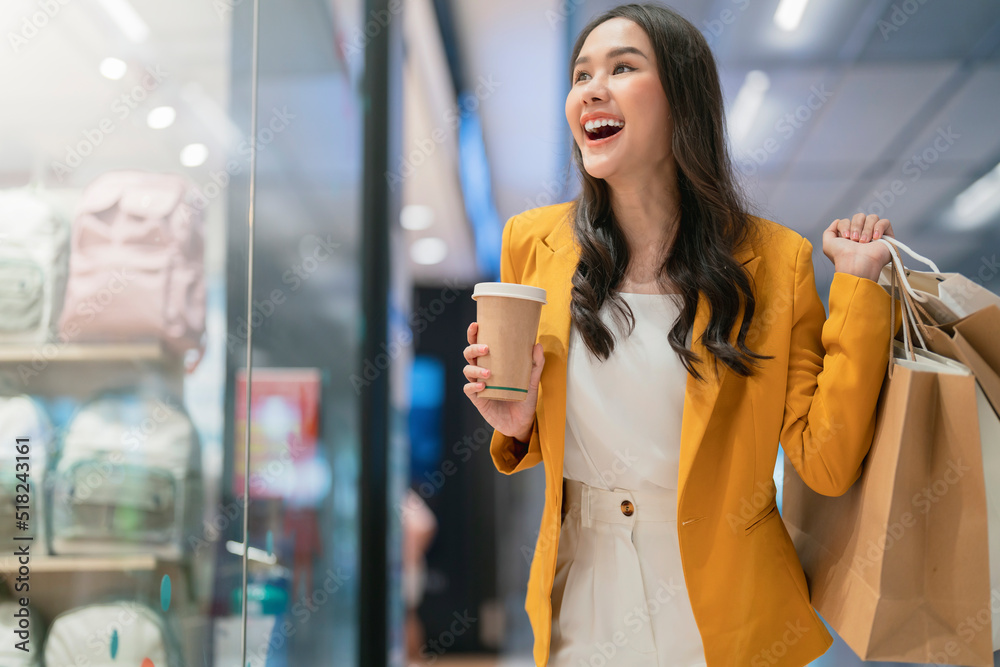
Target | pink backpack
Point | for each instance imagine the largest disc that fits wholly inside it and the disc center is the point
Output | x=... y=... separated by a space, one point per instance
x=136 y=263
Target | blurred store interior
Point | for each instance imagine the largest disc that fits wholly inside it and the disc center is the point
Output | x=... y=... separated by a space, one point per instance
x=856 y=105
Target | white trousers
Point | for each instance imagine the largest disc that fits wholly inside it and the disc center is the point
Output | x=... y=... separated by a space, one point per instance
x=619 y=596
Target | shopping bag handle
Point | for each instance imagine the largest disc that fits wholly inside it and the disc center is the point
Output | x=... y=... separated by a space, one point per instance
x=915 y=255
x=889 y=243
x=917 y=297
x=907 y=346
x=907 y=304
x=909 y=308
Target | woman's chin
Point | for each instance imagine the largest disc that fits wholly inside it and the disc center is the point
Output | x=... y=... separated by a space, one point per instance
x=599 y=170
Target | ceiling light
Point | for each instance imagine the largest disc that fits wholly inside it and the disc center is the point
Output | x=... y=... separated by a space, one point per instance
x=789 y=14
x=979 y=203
x=431 y=250
x=113 y=68
x=127 y=19
x=416 y=217
x=747 y=103
x=194 y=155
x=161 y=117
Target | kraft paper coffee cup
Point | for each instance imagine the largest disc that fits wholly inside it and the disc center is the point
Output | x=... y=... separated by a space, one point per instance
x=508 y=316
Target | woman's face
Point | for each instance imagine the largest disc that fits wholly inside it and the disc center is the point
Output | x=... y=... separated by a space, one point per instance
x=615 y=79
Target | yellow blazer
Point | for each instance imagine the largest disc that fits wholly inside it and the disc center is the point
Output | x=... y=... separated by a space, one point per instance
x=817 y=397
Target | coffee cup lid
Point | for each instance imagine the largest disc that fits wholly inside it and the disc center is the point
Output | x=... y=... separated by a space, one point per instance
x=509 y=289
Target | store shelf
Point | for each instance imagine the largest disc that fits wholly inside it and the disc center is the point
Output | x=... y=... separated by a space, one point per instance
x=74 y=564
x=60 y=583
x=84 y=352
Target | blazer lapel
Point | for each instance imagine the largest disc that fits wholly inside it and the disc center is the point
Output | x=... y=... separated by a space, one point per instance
x=700 y=397
x=556 y=257
x=554 y=272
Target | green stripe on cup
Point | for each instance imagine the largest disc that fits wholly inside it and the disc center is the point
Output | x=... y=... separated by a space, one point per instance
x=508 y=388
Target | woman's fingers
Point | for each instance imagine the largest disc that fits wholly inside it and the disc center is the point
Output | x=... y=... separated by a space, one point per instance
x=857 y=226
x=882 y=228
x=473 y=388
x=861 y=227
x=472 y=352
x=844 y=228
x=867 y=225
x=832 y=231
x=471 y=372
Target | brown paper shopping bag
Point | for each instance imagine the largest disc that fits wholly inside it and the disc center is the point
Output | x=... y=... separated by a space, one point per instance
x=899 y=564
x=972 y=341
x=957 y=317
x=946 y=296
x=989 y=431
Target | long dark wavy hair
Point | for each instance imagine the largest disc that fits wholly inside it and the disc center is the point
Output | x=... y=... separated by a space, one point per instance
x=715 y=216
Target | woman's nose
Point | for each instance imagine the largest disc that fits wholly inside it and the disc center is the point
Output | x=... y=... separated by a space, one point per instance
x=595 y=91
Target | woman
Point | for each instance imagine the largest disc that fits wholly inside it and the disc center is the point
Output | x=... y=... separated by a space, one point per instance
x=660 y=542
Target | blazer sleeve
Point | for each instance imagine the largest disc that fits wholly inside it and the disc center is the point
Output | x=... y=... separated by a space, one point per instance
x=836 y=366
x=508 y=456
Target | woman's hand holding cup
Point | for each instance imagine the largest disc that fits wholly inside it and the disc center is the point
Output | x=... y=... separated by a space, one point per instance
x=512 y=418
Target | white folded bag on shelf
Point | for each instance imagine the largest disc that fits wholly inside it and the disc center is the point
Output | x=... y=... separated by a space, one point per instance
x=128 y=478
x=23 y=417
x=34 y=258
x=111 y=634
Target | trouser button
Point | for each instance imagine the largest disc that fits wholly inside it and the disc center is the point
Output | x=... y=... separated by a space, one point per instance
x=627 y=508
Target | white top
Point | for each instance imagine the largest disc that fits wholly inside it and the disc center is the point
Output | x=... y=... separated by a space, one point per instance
x=619 y=585
x=629 y=405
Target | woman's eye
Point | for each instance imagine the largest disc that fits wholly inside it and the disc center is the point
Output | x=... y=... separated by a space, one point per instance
x=617 y=67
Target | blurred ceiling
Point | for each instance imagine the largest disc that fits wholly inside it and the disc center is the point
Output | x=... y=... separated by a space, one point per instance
x=903 y=102
x=70 y=123
x=53 y=74
x=903 y=92
x=65 y=123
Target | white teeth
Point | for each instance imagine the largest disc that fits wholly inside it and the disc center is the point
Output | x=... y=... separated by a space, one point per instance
x=592 y=125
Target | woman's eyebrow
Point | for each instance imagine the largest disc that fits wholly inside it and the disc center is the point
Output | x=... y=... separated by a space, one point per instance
x=613 y=53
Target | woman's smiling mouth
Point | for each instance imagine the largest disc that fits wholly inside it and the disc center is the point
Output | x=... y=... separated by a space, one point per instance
x=601 y=130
